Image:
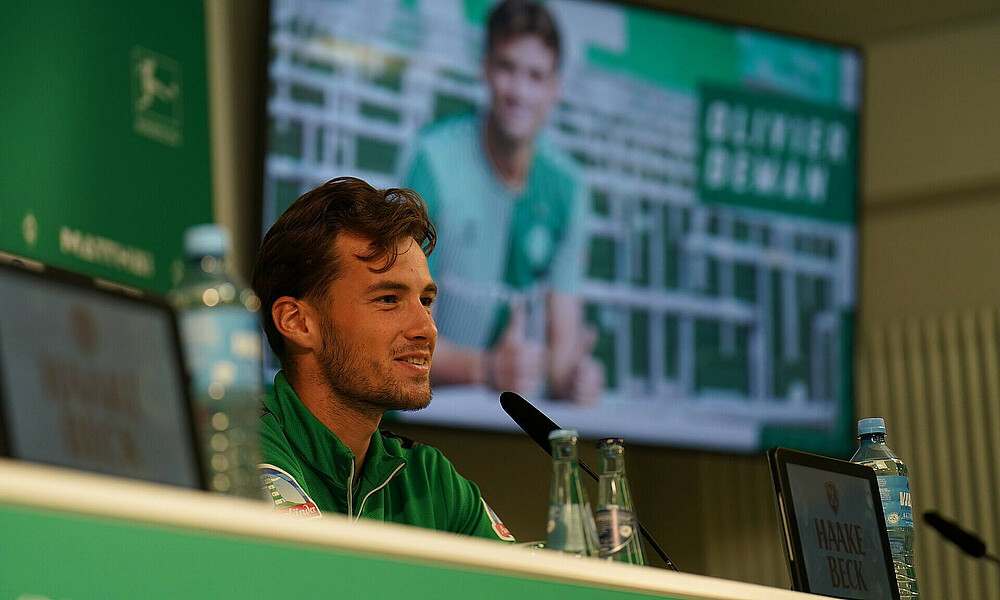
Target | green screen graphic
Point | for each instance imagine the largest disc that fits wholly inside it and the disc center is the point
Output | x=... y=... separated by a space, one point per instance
x=104 y=131
x=774 y=153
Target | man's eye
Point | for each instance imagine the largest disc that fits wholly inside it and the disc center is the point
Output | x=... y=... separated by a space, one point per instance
x=505 y=66
x=386 y=299
x=427 y=301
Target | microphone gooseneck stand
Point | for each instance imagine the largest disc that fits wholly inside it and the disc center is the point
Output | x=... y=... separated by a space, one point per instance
x=951 y=531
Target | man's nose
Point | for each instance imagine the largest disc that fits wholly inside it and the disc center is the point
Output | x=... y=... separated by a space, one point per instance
x=422 y=324
x=520 y=87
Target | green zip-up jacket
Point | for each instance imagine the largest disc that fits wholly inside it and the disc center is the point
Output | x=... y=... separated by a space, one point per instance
x=308 y=471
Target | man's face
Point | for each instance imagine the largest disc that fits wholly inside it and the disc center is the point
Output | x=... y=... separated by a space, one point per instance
x=377 y=329
x=524 y=84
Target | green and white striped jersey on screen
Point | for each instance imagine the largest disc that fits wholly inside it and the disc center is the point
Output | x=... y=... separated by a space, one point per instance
x=495 y=244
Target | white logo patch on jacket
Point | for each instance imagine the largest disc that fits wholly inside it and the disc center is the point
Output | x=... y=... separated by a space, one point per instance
x=286 y=493
x=498 y=527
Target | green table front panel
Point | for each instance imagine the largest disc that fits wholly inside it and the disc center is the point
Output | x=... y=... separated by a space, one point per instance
x=62 y=556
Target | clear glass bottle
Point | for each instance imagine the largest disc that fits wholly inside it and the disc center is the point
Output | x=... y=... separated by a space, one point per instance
x=617 y=527
x=894 y=485
x=570 y=527
x=222 y=342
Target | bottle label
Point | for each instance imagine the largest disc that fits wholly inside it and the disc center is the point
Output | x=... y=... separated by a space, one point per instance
x=223 y=348
x=895 y=493
x=615 y=528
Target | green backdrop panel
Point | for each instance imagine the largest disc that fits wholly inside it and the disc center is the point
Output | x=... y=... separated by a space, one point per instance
x=104 y=135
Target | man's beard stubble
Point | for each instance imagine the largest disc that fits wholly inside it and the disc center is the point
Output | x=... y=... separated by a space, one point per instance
x=361 y=383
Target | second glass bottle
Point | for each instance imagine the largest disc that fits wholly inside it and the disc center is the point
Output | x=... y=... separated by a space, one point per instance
x=617 y=526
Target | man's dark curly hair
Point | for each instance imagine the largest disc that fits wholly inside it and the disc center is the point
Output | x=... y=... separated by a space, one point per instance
x=297 y=257
x=516 y=18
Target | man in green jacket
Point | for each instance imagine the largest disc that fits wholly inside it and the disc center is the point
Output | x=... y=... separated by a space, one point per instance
x=346 y=294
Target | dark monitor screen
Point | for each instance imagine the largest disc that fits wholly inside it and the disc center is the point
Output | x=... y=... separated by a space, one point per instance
x=686 y=225
x=92 y=379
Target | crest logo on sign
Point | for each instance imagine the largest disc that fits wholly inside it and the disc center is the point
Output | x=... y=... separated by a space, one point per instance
x=84 y=330
x=832 y=497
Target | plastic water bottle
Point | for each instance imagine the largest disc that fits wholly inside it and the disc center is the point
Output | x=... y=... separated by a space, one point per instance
x=894 y=486
x=617 y=529
x=570 y=528
x=222 y=343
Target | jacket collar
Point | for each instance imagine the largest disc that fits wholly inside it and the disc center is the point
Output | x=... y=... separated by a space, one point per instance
x=322 y=450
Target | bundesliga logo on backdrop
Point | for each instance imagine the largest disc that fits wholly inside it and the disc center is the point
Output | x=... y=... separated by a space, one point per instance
x=156 y=97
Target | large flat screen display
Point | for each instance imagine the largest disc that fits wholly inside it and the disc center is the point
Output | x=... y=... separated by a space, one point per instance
x=647 y=222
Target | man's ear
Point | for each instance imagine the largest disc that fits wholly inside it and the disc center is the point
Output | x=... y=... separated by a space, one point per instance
x=298 y=322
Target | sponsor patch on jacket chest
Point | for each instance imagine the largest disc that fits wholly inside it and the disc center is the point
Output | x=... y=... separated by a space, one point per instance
x=286 y=493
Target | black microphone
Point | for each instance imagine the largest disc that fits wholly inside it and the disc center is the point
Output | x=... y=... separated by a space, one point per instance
x=969 y=543
x=537 y=426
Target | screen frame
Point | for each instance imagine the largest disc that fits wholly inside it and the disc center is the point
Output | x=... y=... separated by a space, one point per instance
x=841 y=429
x=778 y=459
x=29 y=268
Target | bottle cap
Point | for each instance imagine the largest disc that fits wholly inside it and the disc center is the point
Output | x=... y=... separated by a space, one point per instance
x=874 y=425
x=613 y=441
x=563 y=433
x=207 y=239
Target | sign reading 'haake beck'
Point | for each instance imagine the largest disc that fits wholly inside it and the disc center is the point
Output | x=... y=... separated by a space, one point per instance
x=839 y=533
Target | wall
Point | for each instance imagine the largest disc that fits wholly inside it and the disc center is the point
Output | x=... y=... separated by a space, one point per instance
x=236 y=55
x=931 y=198
x=927 y=346
x=932 y=175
